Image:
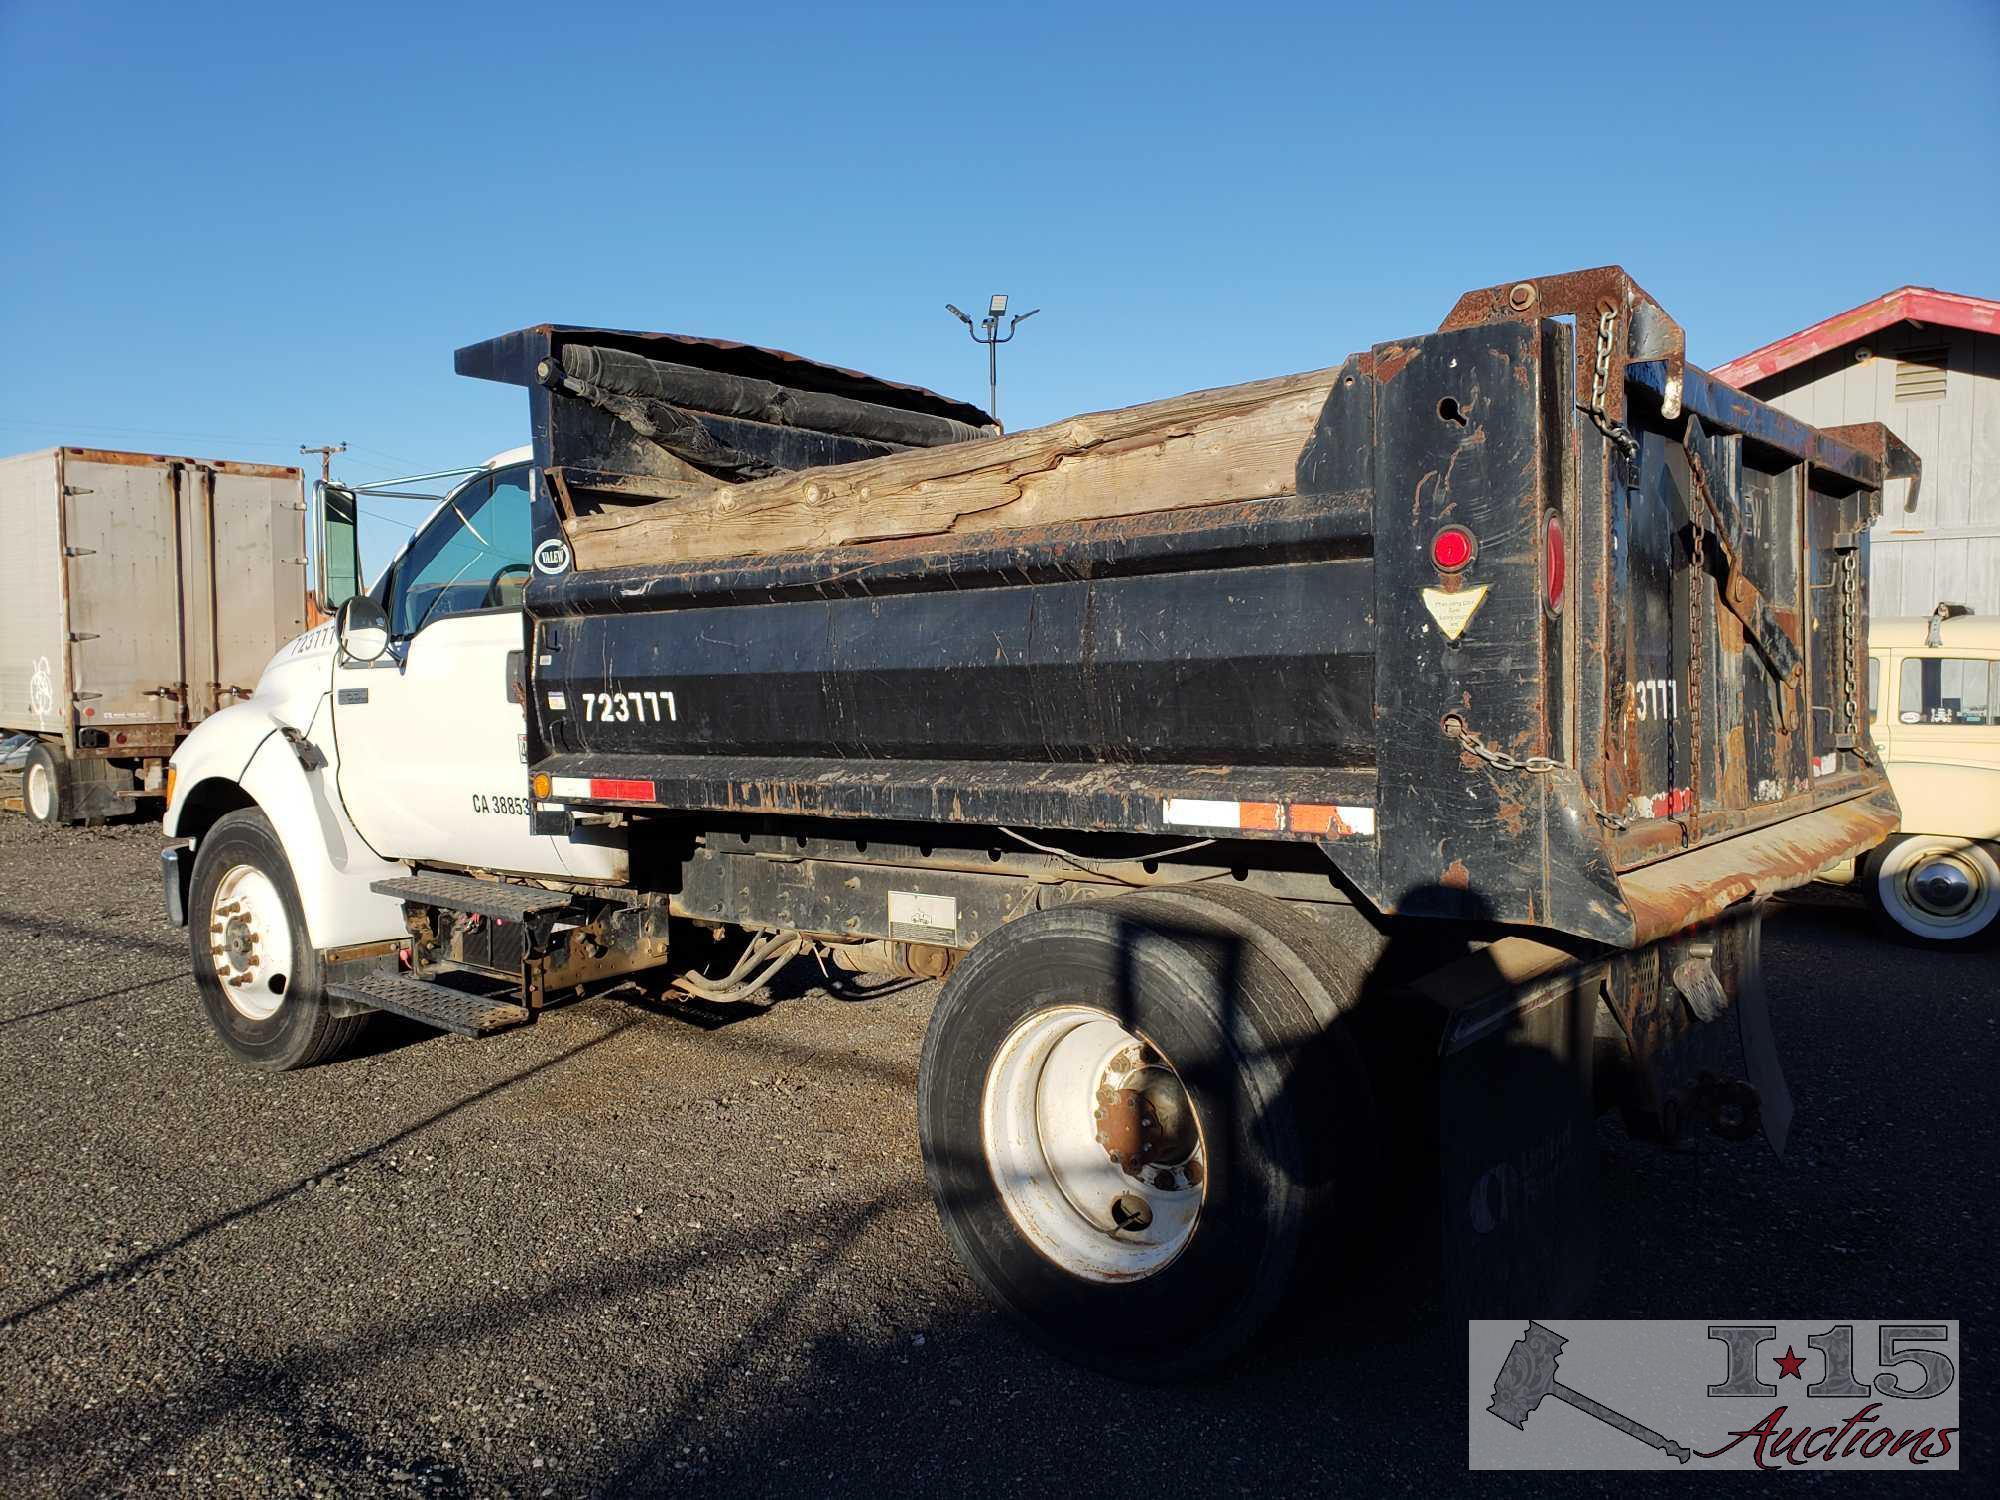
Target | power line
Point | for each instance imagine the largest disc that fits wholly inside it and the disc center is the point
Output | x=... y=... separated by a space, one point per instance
x=206 y=437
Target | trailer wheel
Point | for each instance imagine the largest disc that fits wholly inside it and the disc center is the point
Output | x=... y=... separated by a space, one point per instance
x=1944 y=892
x=45 y=786
x=254 y=964
x=1130 y=1113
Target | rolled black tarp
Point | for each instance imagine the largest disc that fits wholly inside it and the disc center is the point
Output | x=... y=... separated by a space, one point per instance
x=626 y=374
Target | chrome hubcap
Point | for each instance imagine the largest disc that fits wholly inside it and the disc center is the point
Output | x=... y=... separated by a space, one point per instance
x=1943 y=886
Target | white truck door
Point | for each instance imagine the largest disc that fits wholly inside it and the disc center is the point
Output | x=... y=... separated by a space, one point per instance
x=431 y=735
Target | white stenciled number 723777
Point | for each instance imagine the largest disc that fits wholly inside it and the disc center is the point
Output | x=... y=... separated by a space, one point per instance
x=621 y=708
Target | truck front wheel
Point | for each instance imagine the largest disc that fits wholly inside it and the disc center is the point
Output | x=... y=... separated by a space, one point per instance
x=1126 y=1110
x=254 y=965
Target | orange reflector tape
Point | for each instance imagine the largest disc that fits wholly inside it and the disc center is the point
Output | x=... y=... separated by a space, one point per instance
x=1323 y=818
x=1269 y=816
x=1333 y=821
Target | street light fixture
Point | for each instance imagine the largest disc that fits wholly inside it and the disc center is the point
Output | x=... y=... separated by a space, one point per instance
x=992 y=338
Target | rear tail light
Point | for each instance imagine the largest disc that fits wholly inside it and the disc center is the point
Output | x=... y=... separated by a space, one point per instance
x=1555 y=562
x=1452 y=548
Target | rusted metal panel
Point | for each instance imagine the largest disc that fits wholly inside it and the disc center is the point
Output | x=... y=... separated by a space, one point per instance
x=144 y=460
x=1698 y=886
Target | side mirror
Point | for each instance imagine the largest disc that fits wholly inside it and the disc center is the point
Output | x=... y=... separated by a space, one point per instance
x=338 y=544
x=363 y=628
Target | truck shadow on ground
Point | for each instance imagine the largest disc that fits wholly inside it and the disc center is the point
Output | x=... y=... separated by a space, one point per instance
x=1355 y=1389
x=119 y=993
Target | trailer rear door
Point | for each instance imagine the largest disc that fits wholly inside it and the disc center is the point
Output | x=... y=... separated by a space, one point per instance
x=257 y=565
x=123 y=584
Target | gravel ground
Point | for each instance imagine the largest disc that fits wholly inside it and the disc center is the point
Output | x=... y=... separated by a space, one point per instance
x=635 y=1248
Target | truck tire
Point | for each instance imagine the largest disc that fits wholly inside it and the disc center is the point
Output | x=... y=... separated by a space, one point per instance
x=45 y=789
x=1941 y=892
x=1131 y=1115
x=254 y=964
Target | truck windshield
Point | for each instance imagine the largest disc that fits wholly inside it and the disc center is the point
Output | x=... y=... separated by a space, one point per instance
x=473 y=555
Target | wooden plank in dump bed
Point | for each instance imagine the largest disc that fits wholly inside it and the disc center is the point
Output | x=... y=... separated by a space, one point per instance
x=1213 y=447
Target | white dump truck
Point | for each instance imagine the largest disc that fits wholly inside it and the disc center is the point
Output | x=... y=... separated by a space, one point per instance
x=1304 y=790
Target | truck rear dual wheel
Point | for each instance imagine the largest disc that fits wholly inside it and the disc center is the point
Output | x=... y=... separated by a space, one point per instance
x=254 y=964
x=1944 y=892
x=1137 y=1118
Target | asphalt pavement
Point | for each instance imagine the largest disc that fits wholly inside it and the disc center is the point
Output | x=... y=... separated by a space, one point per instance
x=640 y=1248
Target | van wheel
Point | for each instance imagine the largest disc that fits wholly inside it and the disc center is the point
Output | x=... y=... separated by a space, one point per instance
x=254 y=965
x=1937 y=890
x=45 y=786
x=1131 y=1116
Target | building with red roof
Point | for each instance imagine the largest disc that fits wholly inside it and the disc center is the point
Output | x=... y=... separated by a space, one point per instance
x=1927 y=363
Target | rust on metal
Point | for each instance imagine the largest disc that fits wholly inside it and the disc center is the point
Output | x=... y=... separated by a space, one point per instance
x=219 y=465
x=1390 y=360
x=1896 y=458
x=1648 y=332
x=1699 y=885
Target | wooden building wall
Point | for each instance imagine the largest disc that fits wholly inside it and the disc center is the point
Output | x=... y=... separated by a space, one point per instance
x=1949 y=548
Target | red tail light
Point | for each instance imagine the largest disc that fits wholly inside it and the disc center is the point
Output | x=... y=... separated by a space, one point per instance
x=1555 y=562
x=1452 y=548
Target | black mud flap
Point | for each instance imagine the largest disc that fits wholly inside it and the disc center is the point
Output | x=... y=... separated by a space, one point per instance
x=1760 y=1049
x=1517 y=1144
x=1533 y=1043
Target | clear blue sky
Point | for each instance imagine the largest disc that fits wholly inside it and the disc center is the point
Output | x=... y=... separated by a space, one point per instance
x=230 y=231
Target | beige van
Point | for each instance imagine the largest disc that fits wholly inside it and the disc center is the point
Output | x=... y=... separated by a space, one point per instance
x=1934 y=706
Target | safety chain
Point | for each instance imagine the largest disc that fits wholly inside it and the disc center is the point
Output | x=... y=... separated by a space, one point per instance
x=1850 y=655
x=1698 y=573
x=1539 y=765
x=1534 y=765
x=1600 y=380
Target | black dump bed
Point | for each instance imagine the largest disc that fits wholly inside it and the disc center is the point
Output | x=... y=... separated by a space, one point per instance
x=1556 y=630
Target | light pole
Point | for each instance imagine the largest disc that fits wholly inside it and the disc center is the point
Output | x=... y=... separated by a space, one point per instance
x=993 y=338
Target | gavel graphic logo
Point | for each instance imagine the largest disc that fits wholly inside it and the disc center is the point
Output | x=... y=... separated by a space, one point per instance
x=1529 y=1374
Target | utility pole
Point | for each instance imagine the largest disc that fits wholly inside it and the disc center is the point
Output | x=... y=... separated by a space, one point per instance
x=325 y=452
x=992 y=339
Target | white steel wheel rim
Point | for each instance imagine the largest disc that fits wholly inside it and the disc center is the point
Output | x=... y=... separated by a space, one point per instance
x=1093 y=1144
x=41 y=791
x=250 y=938
x=1940 y=888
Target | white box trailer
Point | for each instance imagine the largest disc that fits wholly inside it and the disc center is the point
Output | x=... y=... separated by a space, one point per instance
x=139 y=593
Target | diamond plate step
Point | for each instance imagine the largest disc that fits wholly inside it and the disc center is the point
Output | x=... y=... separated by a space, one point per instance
x=486 y=898
x=433 y=1004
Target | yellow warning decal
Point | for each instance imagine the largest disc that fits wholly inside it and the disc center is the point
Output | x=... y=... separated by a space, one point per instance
x=1453 y=612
